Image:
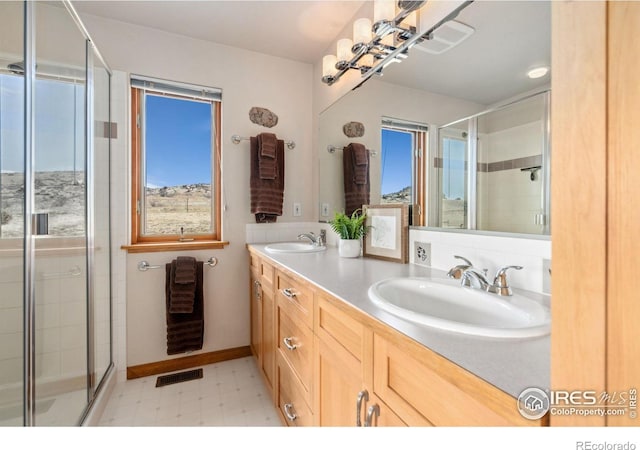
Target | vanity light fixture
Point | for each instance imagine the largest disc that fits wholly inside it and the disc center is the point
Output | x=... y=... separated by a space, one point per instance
x=378 y=44
x=537 y=72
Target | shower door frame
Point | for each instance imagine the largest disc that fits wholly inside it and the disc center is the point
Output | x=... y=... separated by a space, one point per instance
x=93 y=386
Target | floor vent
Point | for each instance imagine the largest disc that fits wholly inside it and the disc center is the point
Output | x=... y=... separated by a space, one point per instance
x=179 y=377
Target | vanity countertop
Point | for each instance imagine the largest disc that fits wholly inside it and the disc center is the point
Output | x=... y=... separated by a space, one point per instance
x=511 y=365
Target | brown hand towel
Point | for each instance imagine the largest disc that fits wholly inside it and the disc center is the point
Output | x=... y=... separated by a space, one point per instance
x=360 y=158
x=181 y=295
x=267 y=143
x=185 y=270
x=355 y=194
x=185 y=331
x=266 y=194
x=267 y=156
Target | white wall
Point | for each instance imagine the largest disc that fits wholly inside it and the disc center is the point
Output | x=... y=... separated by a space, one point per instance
x=247 y=79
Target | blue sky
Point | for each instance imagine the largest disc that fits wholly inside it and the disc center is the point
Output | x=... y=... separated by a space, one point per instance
x=396 y=160
x=178 y=141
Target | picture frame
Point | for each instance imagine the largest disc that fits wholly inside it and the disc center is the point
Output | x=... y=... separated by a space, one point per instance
x=387 y=235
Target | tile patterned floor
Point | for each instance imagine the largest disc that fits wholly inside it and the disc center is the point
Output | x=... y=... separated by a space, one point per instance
x=230 y=393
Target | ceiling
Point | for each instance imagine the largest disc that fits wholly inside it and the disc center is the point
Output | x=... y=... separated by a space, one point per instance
x=298 y=30
x=510 y=38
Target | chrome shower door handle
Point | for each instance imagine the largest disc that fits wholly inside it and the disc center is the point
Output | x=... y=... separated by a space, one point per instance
x=363 y=396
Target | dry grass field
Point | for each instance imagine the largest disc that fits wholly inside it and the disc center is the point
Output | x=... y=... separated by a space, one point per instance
x=169 y=208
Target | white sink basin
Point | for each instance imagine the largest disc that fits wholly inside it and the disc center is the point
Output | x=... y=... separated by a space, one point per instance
x=293 y=247
x=449 y=306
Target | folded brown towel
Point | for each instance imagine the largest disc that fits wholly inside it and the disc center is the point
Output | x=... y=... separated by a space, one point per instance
x=181 y=295
x=267 y=195
x=185 y=272
x=356 y=181
x=185 y=331
x=267 y=156
x=267 y=143
x=360 y=155
x=360 y=169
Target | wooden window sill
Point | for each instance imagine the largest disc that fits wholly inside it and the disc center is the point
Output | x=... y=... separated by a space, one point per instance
x=148 y=247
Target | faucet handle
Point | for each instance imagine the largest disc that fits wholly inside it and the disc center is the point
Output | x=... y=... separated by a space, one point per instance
x=463 y=259
x=500 y=284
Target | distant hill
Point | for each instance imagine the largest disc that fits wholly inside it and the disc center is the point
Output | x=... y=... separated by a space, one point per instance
x=401 y=196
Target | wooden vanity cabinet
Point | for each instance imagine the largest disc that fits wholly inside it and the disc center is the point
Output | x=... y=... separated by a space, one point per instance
x=329 y=364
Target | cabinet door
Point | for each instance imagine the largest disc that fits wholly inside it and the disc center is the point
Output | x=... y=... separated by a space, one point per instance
x=338 y=384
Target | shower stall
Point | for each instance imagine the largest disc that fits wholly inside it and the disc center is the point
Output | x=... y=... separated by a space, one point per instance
x=55 y=282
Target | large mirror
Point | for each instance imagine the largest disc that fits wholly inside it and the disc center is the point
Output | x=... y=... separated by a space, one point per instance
x=460 y=101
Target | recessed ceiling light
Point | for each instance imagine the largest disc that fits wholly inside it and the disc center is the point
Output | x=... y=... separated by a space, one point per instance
x=537 y=72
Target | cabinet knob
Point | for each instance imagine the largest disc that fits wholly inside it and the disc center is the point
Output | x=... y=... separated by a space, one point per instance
x=288 y=411
x=362 y=396
x=373 y=409
x=288 y=343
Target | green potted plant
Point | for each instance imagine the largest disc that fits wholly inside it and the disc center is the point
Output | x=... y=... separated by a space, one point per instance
x=350 y=229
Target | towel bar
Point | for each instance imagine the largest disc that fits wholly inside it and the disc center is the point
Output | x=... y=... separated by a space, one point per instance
x=333 y=148
x=143 y=266
x=236 y=140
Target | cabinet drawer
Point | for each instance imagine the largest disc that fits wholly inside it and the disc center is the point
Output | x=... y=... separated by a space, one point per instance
x=296 y=298
x=295 y=344
x=335 y=322
x=408 y=383
x=291 y=397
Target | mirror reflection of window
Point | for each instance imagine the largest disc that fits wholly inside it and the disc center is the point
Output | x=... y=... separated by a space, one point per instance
x=402 y=176
x=453 y=178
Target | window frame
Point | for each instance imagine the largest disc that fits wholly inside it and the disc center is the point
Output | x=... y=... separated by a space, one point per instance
x=137 y=98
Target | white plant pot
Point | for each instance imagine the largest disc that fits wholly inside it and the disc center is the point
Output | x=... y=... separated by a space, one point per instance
x=349 y=248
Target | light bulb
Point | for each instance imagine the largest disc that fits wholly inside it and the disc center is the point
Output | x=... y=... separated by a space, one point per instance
x=344 y=49
x=329 y=65
x=362 y=31
x=383 y=10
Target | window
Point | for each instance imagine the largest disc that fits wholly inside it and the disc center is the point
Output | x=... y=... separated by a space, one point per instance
x=176 y=162
x=402 y=177
x=453 y=162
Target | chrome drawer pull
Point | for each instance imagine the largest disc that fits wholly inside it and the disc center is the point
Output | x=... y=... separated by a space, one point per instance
x=287 y=411
x=288 y=344
x=288 y=292
x=362 y=396
x=373 y=409
x=257 y=285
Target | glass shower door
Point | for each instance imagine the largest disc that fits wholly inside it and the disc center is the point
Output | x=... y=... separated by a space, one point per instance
x=60 y=208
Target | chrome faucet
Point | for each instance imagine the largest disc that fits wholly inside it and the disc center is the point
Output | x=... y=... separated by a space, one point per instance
x=473 y=278
x=456 y=272
x=316 y=241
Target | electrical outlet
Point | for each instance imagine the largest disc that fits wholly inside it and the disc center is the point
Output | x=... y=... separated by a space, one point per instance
x=325 y=210
x=297 y=210
x=422 y=253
